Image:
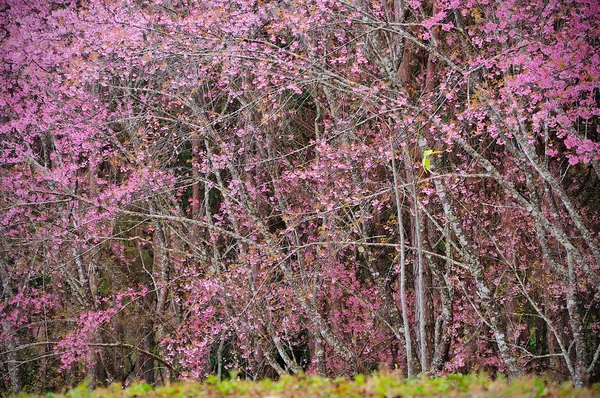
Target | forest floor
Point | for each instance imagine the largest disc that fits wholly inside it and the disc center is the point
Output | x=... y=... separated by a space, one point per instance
x=377 y=385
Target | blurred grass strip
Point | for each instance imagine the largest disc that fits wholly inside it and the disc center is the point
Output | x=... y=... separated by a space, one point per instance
x=377 y=385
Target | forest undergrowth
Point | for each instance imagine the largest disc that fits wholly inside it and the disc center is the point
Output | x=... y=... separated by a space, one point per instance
x=385 y=384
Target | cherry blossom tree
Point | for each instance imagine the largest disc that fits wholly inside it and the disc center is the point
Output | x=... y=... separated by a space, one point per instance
x=273 y=187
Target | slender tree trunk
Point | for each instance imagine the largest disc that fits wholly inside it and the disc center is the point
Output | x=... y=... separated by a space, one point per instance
x=402 y=259
x=575 y=321
x=443 y=330
x=145 y=364
x=220 y=358
x=10 y=353
x=318 y=355
x=289 y=362
x=420 y=307
x=196 y=184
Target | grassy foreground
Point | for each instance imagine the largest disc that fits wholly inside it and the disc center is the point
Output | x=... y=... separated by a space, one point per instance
x=378 y=385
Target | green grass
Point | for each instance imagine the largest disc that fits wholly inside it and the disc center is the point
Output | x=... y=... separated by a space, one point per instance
x=377 y=385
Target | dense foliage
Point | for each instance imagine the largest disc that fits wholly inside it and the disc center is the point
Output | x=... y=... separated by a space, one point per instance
x=277 y=186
